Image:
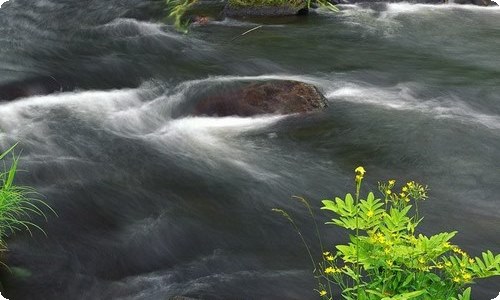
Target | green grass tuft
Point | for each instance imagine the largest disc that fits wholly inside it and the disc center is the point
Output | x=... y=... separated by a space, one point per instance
x=18 y=204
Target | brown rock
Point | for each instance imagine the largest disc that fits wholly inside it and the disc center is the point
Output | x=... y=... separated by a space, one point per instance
x=202 y=20
x=269 y=97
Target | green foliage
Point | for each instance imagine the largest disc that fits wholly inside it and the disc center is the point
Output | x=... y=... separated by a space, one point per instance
x=324 y=4
x=177 y=9
x=386 y=259
x=17 y=203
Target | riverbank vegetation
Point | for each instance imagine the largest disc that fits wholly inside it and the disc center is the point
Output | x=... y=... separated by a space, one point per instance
x=387 y=257
x=18 y=204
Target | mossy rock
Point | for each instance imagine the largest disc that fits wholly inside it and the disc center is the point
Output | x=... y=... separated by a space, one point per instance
x=262 y=97
x=265 y=8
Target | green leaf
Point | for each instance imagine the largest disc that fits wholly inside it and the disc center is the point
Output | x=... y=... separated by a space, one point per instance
x=408 y=279
x=465 y=295
x=8 y=151
x=414 y=294
x=374 y=292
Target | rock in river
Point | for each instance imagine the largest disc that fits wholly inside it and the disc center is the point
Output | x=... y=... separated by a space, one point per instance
x=287 y=9
x=266 y=97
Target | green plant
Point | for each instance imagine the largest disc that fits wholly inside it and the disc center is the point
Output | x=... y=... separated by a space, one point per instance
x=177 y=9
x=17 y=203
x=324 y=4
x=387 y=259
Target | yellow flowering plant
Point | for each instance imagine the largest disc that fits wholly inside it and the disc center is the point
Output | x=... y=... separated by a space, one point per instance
x=386 y=259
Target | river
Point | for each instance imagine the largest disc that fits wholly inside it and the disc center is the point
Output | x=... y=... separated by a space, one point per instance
x=154 y=203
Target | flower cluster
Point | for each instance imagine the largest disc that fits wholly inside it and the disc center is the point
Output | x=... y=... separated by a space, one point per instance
x=385 y=256
x=360 y=172
x=411 y=190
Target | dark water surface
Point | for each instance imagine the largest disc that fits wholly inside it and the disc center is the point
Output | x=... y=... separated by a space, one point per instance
x=153 y=203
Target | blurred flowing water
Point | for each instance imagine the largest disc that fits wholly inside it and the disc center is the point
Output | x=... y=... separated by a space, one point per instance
x=153 y=203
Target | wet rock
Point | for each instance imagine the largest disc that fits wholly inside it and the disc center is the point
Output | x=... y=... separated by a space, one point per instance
x=201 y=20
x=264 y=11
x=472 y=2
x=40 y=85
x=269 y=97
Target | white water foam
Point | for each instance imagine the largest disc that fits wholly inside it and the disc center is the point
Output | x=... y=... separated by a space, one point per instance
x=33 y=120
x=133 y=113
x=132 y=27
x=238 y=23
x=2 y=2
x=207 y=141
x=400 y=97
x=215 y=140
x=394 y=9
x=389 y=19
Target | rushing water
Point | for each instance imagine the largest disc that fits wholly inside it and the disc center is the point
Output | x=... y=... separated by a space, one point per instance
x=153 y=203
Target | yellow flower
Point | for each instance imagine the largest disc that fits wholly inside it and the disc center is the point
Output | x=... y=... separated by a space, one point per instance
x=402 y=195
x=448 y=264
x=370 y=213
x=471 y=260
x=421 y=260
x=388 y=192
x=447 y=245
x=466 y=277
x=387 y=250
x=456 y=279
x=326 y=253
x=358 y=178
x=329 y=270
x=322 y=293
x=330 y=258
x=392 y=182
x=407 y=199
x=389 y=263
x=404 y=189
x=360 y=170
x=380 y=238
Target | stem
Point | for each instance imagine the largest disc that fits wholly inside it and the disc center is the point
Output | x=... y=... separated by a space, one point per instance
x=316 y=227
x=358 y=270
x=296 y=228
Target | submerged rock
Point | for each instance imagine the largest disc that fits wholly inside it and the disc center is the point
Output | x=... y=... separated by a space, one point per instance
x=474 y=2
x=269 y=97
x=40 y=85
